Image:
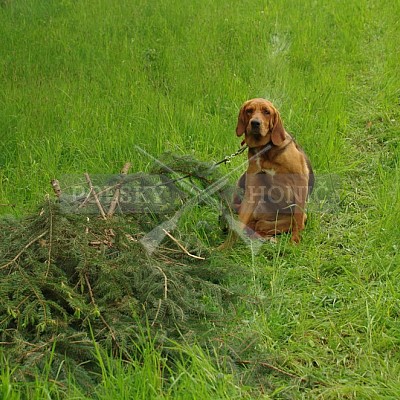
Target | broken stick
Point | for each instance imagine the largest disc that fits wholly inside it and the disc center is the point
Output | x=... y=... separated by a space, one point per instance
x=94 y=194
x=56 y=187
x=115 y=199
x=182 y=247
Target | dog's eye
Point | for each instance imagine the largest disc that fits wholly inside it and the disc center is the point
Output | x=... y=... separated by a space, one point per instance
x=249 y=111
x=265 y=111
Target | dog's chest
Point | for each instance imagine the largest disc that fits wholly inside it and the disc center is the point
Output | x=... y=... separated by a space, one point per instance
x=264 y=166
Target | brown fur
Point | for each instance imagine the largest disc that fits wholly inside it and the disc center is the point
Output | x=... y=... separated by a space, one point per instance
x=279 y=176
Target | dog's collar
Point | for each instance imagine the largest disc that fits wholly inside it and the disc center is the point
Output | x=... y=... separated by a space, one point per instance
x=261 y=149
x=268 y=145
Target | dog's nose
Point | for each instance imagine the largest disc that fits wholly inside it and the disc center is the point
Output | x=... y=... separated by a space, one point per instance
x=255 y=123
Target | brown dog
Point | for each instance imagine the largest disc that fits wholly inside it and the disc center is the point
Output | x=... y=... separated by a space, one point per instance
x=279 y=176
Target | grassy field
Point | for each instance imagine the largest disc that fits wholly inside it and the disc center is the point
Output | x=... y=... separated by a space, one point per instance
x=83 y=83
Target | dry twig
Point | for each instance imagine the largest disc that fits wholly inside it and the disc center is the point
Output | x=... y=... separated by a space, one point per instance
x=115 y=199
x=50 y=236
x=272 y=367
x=55 y=184
x=276 y=369
x=158 y=310
x=181 y=247
x=165 y=283
x=94 y=194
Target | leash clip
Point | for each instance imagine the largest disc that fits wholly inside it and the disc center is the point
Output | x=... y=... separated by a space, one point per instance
x=228 y=159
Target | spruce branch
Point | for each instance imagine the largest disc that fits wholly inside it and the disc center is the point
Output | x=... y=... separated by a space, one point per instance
x=23 y=250
x=36 y=291
x=112 y=333
x=48 y=291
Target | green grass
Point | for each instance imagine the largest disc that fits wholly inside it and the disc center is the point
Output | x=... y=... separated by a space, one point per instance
x=82 y=83
x=149 y=377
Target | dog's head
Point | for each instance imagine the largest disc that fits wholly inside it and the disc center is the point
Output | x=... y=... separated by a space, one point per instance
x=259 y=120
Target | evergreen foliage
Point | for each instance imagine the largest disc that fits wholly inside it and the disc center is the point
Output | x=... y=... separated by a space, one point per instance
x=69 y=279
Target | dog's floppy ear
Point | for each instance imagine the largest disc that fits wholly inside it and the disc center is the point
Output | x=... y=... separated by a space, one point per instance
x=242 y=122
x=278 y=134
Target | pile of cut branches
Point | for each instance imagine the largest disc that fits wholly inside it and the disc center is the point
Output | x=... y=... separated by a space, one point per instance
x=92 y=265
